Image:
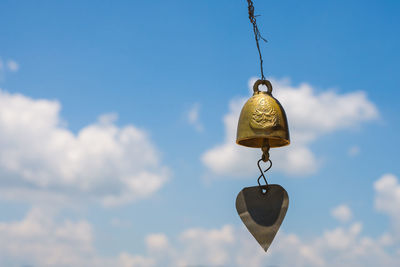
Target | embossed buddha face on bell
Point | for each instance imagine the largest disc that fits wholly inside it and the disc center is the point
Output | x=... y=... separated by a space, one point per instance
x=263 y=124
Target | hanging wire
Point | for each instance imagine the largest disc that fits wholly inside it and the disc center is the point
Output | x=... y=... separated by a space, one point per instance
x=257 y=34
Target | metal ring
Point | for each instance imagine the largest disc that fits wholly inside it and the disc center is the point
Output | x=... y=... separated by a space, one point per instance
x=264 y=82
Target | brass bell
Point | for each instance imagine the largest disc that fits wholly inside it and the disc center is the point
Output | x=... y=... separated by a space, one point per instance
x=262 y=122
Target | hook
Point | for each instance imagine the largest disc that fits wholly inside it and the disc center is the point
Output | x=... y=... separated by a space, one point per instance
x=264 y=188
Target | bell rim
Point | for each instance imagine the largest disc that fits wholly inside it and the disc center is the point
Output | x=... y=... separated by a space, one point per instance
x=286 y=142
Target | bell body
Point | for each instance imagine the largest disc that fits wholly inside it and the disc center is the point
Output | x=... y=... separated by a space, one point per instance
x=262 y=121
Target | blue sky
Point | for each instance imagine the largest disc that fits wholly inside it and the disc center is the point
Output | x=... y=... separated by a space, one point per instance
x=117 y=125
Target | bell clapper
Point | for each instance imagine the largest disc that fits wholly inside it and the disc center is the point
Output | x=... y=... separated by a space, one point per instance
x=265 y=150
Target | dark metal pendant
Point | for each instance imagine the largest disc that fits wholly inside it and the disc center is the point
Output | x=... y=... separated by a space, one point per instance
x=263 y=213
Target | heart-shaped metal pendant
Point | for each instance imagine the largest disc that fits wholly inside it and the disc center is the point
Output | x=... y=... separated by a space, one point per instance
x=263 y=213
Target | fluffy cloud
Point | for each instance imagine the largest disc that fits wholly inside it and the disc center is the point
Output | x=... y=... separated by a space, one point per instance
x=340 y=246
x=387 y=200
x=193 y=247
x=342 y=213
x=310 y=116
x=157 y=242
x=39 y=156
x=40 y=240
x=128 y=260
x=201 y=246
x=344 y=246
x=234 y=246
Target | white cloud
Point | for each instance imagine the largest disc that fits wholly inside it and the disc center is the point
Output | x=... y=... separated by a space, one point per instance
x=12 y=65
x=157 y=241
x=40 y=240
x=310 y=116
x=193 y=117
x=127 y=260
x=102 y=161
x=206 y=247
x=193 y=247
x=234 y=246
x=340 y=246
x=387 y=200
x=342 y=213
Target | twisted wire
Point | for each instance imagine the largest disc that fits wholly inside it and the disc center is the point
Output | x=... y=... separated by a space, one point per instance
x=257 y=34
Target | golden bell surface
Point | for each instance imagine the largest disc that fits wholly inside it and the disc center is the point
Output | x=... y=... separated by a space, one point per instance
x=262 y=122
